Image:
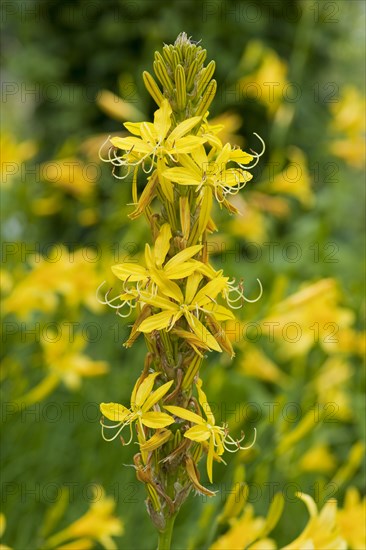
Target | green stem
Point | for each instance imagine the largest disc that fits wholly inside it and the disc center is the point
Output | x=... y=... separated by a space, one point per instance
x=165 y=537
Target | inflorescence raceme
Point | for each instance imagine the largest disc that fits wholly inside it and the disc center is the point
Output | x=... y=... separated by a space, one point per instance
x=179 y=302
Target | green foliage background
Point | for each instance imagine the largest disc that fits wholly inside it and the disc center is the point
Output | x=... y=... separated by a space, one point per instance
x=75 y=49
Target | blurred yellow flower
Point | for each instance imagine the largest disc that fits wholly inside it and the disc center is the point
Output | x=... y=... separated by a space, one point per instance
x=13 y=154
x=349 y=120
x=321 y=531
x=98 y=524
x=330 y=385
x=351 y=519
x=314 y=316
x=318 y=459
x=255 y=363
x=268 y=82
x=116 y=107
x=71 y=175
x=72 y=275
x=294 y=180
x=63 y=357
x=243 y=534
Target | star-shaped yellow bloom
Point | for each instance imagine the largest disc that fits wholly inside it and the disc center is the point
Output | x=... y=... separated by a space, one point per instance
x=176 y=268
x=203 y=430
x=153 y=140
x=202 y=169
x=174 y=306
x=142 y=401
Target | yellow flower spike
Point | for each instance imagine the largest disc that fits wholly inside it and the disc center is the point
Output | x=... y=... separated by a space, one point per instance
x=176 y=293
x=142 y=401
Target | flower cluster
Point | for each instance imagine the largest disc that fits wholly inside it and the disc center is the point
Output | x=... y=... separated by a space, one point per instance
x=179 y=301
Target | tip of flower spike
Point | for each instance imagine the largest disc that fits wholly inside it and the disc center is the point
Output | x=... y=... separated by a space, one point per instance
x=183 y=39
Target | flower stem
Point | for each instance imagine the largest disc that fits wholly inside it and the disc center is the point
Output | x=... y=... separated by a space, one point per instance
x=165 y=537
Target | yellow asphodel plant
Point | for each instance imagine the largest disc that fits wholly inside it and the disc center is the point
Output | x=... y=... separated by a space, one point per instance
x=180 y=301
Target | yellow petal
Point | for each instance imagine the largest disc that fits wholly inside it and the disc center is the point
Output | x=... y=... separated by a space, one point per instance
x=130 y=271
x=237 y=155
x=156 y=419
x=204 y=403
x=185 y=414
x=148 y=133
x=183 y=128
x=156 y=396
x=134 y=143
x=156 y=322
x=205 y=210
x=114 y=411
x=142 y=390
x=211 y=290
x=158 y=301
x=162 y=244
x=221 y=313
x=133 y=127
x=182 y=256
x=180 y=271
x=198 y=433
x=202 y=333
x=166 y=286
x=186 y=144
x=162 y=120
x=191 y=287
x=182 y=176
x=156 y=441
x=146 y=196
x=165 y=184
x=210 y=459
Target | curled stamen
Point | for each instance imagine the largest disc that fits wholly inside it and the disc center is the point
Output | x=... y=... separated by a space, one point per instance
x=258 y=297
x=120 y=177
x=256 y=155
x=100 y=150
x=120 y=427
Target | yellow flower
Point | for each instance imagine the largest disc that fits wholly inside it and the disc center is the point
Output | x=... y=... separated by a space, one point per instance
x=71 y=175
x=176 y=268
x=268 y=81
x=243 y=532
x=97 y=524
x=153 y=140
x=142 y=401
x=321 y=531
x=351 y=519
x=187 y=306
x=217 y=437
x=318 y=317
x=294 y=180
x=318 y=459
x=201 y=169
x=13 y=154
